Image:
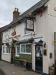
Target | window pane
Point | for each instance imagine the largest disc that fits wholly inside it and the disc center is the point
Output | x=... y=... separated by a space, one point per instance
x=7 y=50
x=3 y=49
x=18 y=49
x=28 y=48
x=22 y=48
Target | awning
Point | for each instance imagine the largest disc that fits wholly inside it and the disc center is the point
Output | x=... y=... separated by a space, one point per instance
x=39 y=41
x=25 y=41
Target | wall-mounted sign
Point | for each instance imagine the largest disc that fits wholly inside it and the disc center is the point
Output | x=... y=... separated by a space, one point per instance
x=50 y=55
x=30 y=24
x=45 y=52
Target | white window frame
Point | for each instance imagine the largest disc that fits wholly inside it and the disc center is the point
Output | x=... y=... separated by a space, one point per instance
x=5 y=47
x=25 y=49
x=16 y=51
x=20 y=49
x=7 y=52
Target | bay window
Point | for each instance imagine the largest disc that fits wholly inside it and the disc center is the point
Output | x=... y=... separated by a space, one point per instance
x=28 y=48
x=23 y=49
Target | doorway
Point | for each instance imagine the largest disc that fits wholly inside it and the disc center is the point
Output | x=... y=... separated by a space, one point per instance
x=39 y=56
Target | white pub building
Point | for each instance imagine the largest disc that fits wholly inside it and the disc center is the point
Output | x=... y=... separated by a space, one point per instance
x=32 y=34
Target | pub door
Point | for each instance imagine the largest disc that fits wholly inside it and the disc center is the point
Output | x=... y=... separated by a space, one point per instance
x=39 y=58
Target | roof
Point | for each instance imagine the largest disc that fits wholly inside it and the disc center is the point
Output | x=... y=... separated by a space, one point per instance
x=25 y=14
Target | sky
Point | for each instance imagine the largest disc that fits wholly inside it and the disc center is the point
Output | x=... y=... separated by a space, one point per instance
x=7 y=7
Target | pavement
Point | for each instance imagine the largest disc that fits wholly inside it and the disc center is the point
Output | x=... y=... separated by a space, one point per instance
x=11 y=69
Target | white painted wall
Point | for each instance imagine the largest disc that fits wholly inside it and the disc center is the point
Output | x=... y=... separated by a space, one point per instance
x=51 y=26
x=45 y=26
x=41 y=29
x=6 y=56
x=7 y=34
x=20 y=29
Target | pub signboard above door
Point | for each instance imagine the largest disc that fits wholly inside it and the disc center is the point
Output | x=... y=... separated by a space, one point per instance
x=30 y=23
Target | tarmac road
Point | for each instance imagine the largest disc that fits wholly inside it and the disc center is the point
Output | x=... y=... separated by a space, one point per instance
x=1 y=72
x=11 y=69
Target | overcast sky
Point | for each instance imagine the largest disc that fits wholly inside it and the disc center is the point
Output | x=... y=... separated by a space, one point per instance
x=7 y=7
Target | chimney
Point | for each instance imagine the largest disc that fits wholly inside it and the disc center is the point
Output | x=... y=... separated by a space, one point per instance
x=16 y=14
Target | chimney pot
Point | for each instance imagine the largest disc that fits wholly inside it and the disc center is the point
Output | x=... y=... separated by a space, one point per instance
x=16 y=14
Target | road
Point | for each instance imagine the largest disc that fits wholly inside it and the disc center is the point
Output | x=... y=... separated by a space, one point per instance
x=11 y=69
x=1 y=72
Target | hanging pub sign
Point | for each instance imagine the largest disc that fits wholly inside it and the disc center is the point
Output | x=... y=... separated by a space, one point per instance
x=30 y=23
x=13 y=33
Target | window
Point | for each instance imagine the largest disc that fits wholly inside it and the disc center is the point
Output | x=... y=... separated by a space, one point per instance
x=18 y=49
x=22 y=48
x=3 y=49
x=28 y=48
x=7 y=50
x=25 y=48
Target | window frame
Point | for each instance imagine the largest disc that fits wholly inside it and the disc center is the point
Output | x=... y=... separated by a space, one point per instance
x=21 y=51
x=25 y=49
x=8 y=50
x=16 y=51
x=4 y=47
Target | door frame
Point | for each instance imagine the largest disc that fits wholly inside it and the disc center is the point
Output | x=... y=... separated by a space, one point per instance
x=35 y=62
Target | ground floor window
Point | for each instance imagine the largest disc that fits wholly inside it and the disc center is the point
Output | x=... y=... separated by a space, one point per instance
x=3 y=48
x=23 y=49
x=28 y=48
x=18 y=50
x=6 y=49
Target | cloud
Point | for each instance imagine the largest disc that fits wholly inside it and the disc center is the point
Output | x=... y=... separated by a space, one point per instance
x=7 y=7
